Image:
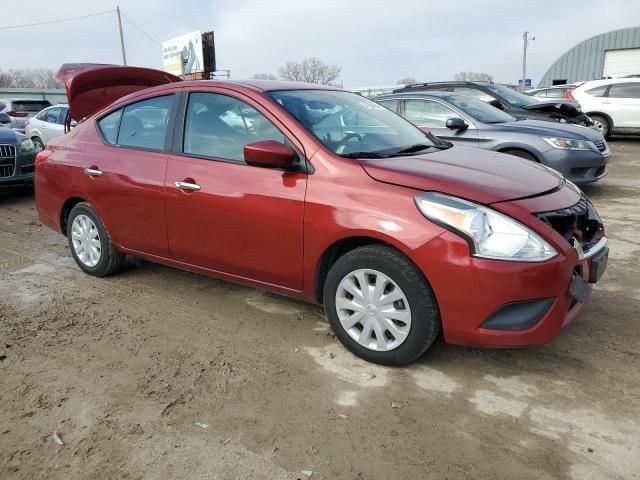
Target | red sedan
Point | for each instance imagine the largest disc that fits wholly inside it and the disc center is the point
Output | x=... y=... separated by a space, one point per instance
x=325 y=195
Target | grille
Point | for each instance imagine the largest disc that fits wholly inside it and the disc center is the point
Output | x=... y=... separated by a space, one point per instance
x=7 y=160
x=602 y=146
x=581 y=221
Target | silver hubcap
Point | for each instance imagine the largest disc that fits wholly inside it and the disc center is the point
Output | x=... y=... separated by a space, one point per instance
x=598 y=126
x=86 y=240
x=373 y=310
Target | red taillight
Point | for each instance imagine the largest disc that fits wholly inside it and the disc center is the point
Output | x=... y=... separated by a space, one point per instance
x=569 y=95
x=13 y=113
x=26 y=124
x=43 y=155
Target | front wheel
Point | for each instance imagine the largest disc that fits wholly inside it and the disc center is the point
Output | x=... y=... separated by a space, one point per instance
x=90 y=243
x=38 y=145
x=380 y=306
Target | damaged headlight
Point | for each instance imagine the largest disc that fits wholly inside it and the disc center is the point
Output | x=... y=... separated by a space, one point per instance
x=490 y=234
x=569 y=143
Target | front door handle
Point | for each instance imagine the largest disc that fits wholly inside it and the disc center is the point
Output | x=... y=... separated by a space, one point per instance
x=194 y=187
x=94 y=172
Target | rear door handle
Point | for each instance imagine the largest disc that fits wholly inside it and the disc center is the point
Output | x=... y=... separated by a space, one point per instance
x=94 y=172
x=194 y=187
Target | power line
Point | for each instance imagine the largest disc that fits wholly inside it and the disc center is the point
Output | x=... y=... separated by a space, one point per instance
x=60 y=20
x=140 y=30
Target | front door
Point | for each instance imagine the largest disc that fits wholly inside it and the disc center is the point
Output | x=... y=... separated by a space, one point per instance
x=228 y=216
x=432 y=116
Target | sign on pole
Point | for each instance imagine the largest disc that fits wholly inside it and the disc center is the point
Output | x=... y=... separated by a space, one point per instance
x=183 y=55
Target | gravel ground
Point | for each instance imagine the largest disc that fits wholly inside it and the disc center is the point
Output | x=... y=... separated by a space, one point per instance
x=157 y=373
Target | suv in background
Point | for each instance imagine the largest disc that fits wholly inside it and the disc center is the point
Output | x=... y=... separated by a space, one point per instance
x=614 y=104
x=21 y=109
x=508 y=100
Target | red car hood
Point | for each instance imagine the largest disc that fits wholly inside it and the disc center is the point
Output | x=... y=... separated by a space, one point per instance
x=479 y=175
x=91 y=87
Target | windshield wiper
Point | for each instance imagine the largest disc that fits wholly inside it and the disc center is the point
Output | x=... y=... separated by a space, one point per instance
x=364 y=155
x=413 y=148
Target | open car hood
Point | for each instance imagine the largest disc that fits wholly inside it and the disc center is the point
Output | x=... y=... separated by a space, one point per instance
x=92 y=86
x=479 y=175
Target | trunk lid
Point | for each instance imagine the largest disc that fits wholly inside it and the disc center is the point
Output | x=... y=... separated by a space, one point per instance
x=91 y=87
x=479 y=175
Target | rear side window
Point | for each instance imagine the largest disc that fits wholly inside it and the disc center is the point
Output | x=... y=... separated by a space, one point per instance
x=598 y=91
x=220 y=126
x=109 y=125
x=53 y=114
x=30 y=105
x=144 y=124
x=625 y=90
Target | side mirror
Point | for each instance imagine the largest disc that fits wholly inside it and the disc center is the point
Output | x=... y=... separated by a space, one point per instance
x=496 y=103
x=456 y=124
x=269 y=154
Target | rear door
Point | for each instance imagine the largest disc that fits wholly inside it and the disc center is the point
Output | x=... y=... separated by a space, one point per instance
x=432 y=116
x=230 y=217
x=50 y=126
x=126 y=169
x=624 y=104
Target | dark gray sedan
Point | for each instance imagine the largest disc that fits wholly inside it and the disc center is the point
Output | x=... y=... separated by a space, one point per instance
x=578 y=152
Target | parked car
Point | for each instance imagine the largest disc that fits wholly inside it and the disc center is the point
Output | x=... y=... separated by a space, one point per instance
x=508 y=100
x=614 y=104
x=21 y=109
x=399 y=237
x=579 y=153
x=47 y=124
x=17 y=159
x=557 y=91
x=5 y=120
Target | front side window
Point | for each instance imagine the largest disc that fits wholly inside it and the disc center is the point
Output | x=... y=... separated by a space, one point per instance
x=348 y=124
x=474 y=92
x=479 y=110
x=427 y=113
x=144 y=124
x=625 y=90
x=220 y=126
x=391 y=104
x=511 y=96
x=109 y=125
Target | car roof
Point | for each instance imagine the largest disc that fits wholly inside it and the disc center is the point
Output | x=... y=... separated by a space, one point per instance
x=609 y=81
x=418 y=93
x=262 y=85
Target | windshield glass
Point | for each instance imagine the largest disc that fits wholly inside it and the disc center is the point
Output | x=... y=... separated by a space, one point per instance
x=511 y=96
x=350 y=125
x=479 y=110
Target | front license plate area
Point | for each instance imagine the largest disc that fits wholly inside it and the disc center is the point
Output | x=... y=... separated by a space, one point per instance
x=598 y=265
x=579 y=289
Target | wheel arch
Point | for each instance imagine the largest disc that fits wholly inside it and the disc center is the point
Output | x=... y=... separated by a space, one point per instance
x=602 y=114
x=66 y=210
x=519 y=148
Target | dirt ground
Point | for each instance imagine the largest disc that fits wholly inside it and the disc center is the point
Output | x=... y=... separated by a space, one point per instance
x=125 y=368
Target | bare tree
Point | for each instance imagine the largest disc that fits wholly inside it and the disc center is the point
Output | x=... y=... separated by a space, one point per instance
x=407 y=81
x=264 y=76
x=310 y=70
x=29 y=78
x=473 y=77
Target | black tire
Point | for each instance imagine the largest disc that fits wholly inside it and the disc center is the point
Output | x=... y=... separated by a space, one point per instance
x=111 y=260
x=38 y=144
x=521 y=154
x=425 y=318
x=604 y=121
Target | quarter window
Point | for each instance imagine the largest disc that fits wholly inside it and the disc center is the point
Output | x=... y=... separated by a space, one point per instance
x=426 y=113
x=598 y=91
x=390 y=104
x=144 y=124
x=220 y=126
x=108 y=126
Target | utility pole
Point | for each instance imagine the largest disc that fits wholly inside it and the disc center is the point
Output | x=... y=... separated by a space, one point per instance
x=525 y=43
x=124 y=55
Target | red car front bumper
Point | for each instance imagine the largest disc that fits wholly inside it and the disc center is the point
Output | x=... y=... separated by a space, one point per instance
x=473 y=292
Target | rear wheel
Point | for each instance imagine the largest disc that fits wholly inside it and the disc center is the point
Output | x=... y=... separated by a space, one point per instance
x=380 y=306
x=521 y=154
x=601 y=124
x=90 y=243
x=38 y=145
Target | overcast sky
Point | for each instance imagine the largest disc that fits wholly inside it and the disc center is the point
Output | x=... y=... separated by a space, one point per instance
x=376 y=42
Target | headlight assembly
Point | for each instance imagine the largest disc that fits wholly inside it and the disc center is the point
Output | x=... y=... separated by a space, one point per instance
x=569 y=143
x=26 y=144
x=490 y=234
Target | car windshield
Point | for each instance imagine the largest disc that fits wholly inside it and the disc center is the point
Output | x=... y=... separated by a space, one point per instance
x=511 y=96
x=479 y=110
x=353 y=126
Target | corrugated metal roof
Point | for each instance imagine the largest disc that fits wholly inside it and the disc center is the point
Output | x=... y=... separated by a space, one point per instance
x=585 y=61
